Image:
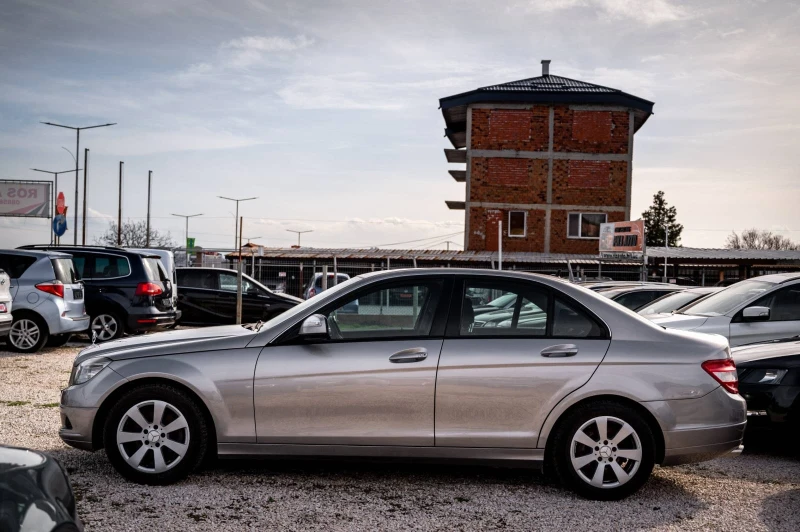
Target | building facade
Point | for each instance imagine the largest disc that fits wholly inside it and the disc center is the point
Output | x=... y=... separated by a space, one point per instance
x=547 y=159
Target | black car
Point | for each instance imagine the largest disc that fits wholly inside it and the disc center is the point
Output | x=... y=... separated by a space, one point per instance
x=207 y=296
x=635 y=297
x=126 y=291
x=769 y=380
x=35 y=493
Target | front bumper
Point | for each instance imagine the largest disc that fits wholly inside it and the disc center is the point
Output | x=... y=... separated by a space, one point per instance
x=771 y=406
x=79 y=406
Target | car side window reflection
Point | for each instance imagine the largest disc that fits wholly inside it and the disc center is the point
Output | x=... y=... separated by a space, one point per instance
x=784 y=304
x=569 y=322
x=496 y=309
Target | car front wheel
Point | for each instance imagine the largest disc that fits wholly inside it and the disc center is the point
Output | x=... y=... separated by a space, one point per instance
x=604 y=451
x=155 y=434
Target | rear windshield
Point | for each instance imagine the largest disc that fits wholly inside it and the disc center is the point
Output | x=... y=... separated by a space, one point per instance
x=65 y=271
x=670 y=302
x=154 y=270
x=341 y=277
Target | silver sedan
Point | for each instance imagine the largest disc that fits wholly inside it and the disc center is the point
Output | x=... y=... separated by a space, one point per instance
x=591 y=390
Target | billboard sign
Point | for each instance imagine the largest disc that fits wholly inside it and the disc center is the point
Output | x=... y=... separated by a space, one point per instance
x=31 y=199
x=622 y=240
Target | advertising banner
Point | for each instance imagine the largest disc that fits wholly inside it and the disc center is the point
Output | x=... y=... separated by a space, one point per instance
x=622 y=240
x=31 y=199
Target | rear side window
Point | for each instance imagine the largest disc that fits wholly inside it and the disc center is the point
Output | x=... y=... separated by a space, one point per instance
x=197 y=279
x=15 y=265
x=65 y=271
x=571 y=322
x=105 y=267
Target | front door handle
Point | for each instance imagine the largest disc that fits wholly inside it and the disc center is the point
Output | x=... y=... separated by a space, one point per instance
x=561 y=350
x=415 y=354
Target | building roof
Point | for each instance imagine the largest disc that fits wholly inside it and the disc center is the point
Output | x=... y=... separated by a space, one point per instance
x=722 y=254
x=545 y=89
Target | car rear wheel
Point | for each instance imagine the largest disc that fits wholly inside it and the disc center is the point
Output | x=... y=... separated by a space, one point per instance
x=155 y=434
x=28 y=334
x=107 y=325
x=604 y=451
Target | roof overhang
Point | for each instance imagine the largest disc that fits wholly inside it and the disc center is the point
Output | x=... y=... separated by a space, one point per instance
x=454 y=108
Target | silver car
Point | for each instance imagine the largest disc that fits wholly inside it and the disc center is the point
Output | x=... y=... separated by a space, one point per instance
x=756 y=310
x=591 y=389
x=5 y=304
x=48 y=299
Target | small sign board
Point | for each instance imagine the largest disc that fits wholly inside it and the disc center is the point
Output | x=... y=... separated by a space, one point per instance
x=622 y=240
x=281 y=274
x=61 y=204
x=27 y=199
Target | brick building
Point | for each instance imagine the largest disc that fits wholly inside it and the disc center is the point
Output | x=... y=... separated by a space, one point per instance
x=549 y=156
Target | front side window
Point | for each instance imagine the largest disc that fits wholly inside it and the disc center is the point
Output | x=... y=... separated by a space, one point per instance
x=784 y=304
x=585 y=225
x=395 y=311
x=227 y=282
x=727 y=300
x=517 y=223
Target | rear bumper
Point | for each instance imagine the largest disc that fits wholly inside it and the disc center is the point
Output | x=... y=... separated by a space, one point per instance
x=5 y=326
x=154 y=321
x=699 y=445
x=70 y=325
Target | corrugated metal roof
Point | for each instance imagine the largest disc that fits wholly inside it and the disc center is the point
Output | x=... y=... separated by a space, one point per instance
x=549 y=84
x=722 y=254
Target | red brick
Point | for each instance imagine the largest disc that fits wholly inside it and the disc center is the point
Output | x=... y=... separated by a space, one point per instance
x=591 y=126
x=503 y=180
x=510 y=129
x=589 y=174
x=586 y=137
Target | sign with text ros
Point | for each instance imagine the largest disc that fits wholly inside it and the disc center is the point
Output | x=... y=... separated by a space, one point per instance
x=31 y=199
x=622 y=240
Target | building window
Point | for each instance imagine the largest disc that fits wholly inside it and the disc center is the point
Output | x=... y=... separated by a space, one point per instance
x=585 y=225
x=517 y=222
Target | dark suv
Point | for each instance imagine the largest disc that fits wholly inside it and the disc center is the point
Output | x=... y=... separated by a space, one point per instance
x=125 y=291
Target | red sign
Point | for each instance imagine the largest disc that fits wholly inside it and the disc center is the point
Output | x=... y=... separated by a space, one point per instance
x=60 y=203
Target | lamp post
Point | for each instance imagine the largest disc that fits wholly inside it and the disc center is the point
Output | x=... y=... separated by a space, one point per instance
x=55 y=186
x=236 y=228
x=186 y=240
x=77 y=151
x=300 y=233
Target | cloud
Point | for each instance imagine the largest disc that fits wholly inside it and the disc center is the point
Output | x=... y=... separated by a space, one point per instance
x=269 y=44
x=649 y=12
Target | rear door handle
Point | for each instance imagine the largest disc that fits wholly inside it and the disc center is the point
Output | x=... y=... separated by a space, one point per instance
x=561 y=350
x=415 y=354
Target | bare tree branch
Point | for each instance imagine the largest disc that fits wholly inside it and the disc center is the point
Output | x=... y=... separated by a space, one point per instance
x=134 y=235
x=760 y=239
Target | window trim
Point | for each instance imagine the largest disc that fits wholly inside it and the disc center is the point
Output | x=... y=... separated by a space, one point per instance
x=524 y=224
x=580 y=223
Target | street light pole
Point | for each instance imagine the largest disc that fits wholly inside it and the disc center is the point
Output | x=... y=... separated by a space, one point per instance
x=149 y=180
x=186 y=240
x=55 y=187
x=77 y=152
x=236 y=225
x=300 y=233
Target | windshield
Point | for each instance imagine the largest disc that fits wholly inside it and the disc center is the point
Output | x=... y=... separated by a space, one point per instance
x=326 y=296
x=670 y=303
x=726 y=300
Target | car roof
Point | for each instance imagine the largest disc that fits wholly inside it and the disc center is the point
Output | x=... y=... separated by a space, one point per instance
x=90 y=249
x=704 y=289
x=777 y=278
x=630 y=289
x=37 y=254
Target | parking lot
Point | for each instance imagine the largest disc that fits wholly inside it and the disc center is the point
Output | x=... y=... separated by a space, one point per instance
x=759 y=490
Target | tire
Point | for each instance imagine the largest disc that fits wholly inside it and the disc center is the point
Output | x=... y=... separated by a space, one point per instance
x=28 y=334
x=621 y=475
x=58 y=340
x=107 y=325
x=136 y=455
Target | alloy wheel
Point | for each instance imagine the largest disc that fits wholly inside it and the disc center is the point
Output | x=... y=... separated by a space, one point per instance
x=606 y=452
x=24 y=334
x=106 y=326
x=153 y=436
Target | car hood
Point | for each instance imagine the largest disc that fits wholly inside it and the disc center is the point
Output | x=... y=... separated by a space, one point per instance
x=680 y=321
x=746 y=354
x=170 y=343
x=288 y=297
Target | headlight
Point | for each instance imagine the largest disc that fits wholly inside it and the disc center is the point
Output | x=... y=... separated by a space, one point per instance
x=490 y=324
x=87 y=369
x=505 y=324
x=764 y=376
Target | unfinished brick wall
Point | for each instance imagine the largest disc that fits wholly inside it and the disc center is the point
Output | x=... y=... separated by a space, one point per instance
x=590 y=182
x=510 y=129
x=483 y=230
x=497 y=179
x=590 y=131
x=559 y=241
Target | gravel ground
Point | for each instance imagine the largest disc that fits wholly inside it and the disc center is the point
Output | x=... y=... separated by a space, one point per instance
x=759 y=490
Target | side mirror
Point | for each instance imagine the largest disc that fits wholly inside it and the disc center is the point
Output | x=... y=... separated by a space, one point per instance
x=755 y=314
x=314 y=326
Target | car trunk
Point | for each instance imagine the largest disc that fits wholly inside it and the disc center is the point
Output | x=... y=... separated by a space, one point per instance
x=66 y=273
x=156 y=274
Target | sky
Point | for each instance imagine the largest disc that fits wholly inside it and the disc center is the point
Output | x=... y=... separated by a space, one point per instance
x=327 y=111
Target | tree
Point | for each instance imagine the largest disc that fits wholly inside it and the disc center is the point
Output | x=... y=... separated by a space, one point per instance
x=759 y=239
x=134 y=235
x=659 y=216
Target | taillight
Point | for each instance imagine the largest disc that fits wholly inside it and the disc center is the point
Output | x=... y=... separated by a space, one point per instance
x=148 y=289
x=56 y=288
x=3 y=308
x=724 y=372
x=311 y=292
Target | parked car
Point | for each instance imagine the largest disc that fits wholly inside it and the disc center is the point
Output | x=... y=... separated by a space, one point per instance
x=167 y=259
x=482 y=303
x=674 y=301
x=314 y=285
x=5 y=304
x=607 y=285
x=208 y=297
x=35 y=493
x=756 y=310
x=599 y=393
x=635 y=297
x=48 y=299
x=769 y=380
x=126 y=291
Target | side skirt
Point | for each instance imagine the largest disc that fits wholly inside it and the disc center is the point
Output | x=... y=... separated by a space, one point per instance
x=516 y=457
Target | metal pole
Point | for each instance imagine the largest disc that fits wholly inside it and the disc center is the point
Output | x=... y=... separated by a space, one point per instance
x=324 y=277
x=119 y=211
x=85 y=196
x=77 y=154
x=666 y=247
x=335 y=272
x=149 y=181
x=239 y=275
x=500 y=245
x=186 y=241
x=235 y=235
x=55 y=198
